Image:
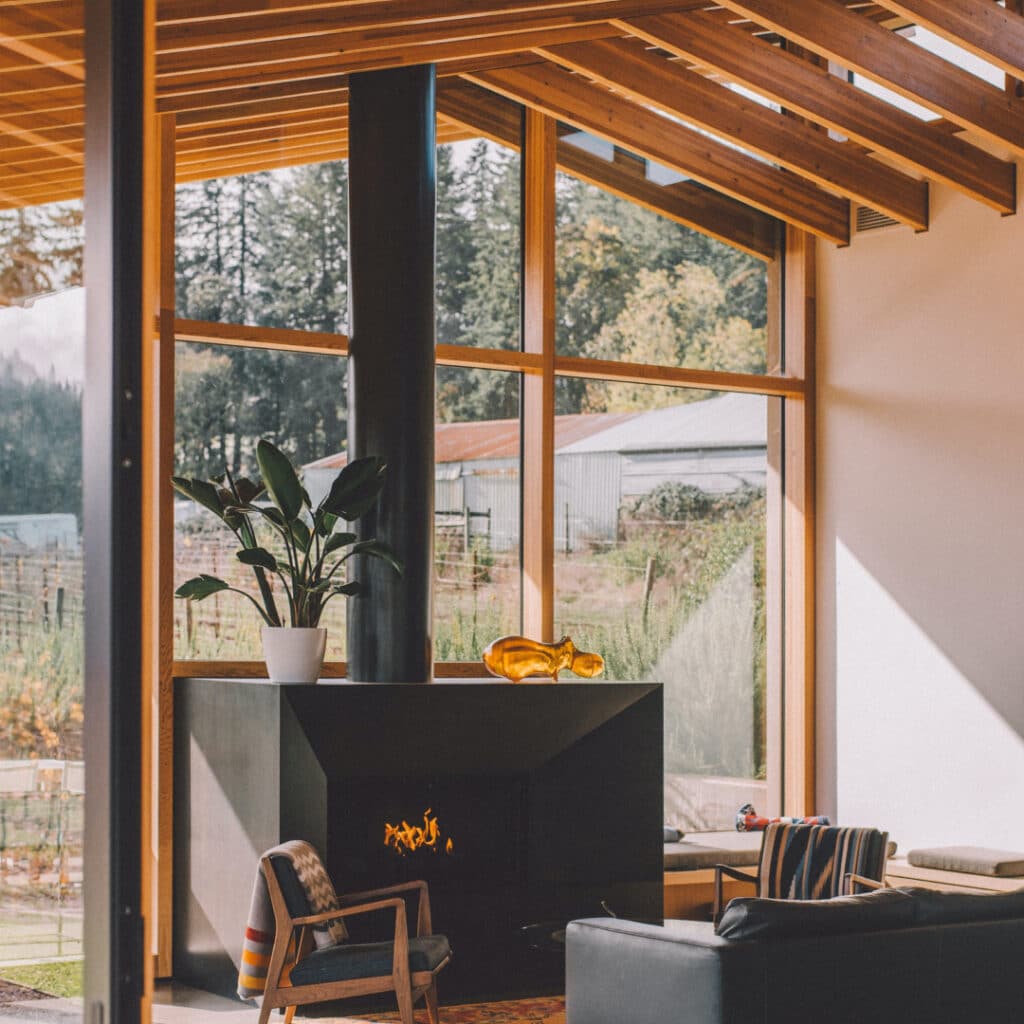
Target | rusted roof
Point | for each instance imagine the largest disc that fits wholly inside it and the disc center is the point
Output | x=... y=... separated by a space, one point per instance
x=497 y=439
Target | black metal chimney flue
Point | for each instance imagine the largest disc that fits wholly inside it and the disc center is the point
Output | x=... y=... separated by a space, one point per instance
x=392 y=184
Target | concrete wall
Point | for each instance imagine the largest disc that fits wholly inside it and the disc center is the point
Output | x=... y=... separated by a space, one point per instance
x=921 y=529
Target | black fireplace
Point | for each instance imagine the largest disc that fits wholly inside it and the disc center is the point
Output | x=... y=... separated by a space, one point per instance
x=523 y=807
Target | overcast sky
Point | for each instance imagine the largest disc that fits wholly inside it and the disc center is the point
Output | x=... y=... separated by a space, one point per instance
x=48 y=335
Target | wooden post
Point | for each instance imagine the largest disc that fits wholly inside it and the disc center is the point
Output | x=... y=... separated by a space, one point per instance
x=798 y=785
x=538 y=412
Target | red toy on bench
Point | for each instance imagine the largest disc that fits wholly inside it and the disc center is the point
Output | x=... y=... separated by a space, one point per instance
x=748 y=820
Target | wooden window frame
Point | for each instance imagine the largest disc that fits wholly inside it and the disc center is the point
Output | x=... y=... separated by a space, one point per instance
x=790 y=552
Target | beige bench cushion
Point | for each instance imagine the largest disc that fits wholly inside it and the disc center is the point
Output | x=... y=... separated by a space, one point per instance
x=973 y=860
x=695 y=856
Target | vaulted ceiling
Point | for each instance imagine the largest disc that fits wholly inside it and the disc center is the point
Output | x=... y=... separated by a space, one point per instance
x=751 y=103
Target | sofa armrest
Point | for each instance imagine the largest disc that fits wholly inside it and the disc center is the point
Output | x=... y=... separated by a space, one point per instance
x=681 y=973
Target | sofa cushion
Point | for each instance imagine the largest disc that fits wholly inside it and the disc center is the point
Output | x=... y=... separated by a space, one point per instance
x=755 y=918
x=934 y=907
x=974 y=860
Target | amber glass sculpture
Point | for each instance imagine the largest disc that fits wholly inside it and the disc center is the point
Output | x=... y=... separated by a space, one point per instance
x=516 y=657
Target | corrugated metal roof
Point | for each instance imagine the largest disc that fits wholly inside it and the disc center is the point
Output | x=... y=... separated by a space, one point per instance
x=728 y=421
x=498 y=439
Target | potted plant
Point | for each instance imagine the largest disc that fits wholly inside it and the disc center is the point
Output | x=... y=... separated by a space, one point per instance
x=310 y=550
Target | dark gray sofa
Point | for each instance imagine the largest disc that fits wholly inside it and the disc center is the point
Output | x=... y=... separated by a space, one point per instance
x=905 y=956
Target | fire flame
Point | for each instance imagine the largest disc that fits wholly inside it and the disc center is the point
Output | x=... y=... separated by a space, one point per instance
x=406 y=838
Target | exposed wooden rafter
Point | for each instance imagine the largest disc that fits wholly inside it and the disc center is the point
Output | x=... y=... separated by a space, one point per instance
x=631 y=69
x=561 y=94
x=981 y=26
x=815 y=93
x=828 y=28
x=685 y=202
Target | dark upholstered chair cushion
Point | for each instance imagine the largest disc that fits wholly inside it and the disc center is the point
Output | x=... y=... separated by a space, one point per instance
x=291 y=888
x=756 y=918
x=932 y=907
x=367 y=960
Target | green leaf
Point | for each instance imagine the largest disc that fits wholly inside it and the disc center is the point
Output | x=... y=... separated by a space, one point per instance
x=202 y=492
x=355 y=488
x=348 y=589
x=378 y=549
x=301 y=534
x=280 y=479
x=325 y=522
x=258 y=556
x=248 y=490
x=200 y=587
x=273 y=514
x=338 y=540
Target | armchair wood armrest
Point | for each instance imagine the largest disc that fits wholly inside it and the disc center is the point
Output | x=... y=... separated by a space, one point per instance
x=363 y=908
x=851 y=880
x=734 y=873
x=424 y=925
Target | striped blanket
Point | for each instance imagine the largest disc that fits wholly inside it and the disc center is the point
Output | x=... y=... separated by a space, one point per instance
x=260 y=929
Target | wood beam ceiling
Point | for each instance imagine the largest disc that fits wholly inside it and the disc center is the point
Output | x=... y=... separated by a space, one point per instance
x=829 y=29
x=631 y=69
x=256 y=84
x=592 y=108
x=815 y=93
x=499 y=119
x=987 y=30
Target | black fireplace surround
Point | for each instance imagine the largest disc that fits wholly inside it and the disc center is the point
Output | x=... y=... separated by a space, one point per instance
x=551 y=797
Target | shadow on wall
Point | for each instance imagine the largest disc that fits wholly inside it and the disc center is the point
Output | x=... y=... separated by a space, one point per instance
x=925 y=544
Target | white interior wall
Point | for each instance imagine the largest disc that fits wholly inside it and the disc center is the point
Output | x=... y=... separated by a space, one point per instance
x=921 y=529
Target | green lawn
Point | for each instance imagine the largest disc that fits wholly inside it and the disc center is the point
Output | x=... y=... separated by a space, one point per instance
x=62 y=979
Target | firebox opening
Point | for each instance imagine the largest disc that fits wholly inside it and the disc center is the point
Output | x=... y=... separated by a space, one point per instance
x=405 y=838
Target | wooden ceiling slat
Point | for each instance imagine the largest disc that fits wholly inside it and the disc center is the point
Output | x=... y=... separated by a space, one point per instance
x=71 y=98
x=593 y=108
x=420 y=20
x=195 y=137
x=699 y=208
x=827 y=28
x=316 y=131
x=815 y=93
x=627 y=66
x=237 y=112
x=251 y=93
x=367 y=51
x=989 y=31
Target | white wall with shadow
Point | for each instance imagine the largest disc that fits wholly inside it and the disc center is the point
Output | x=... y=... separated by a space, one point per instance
x=921 y=529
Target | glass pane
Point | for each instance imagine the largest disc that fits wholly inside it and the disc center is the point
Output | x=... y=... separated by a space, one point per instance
x=637 y=287
x=478 y=232
x=269 y=249
x=660 y=567
x=42 y=358
x=477 y=511
x=226 y=400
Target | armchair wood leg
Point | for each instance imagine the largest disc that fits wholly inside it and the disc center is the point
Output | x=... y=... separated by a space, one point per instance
x=265 y=1010
x=404 y=994
x=289 y=1013
x=430 y=998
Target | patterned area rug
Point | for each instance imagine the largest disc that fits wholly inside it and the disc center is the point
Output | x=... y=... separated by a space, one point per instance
x=514 y=1011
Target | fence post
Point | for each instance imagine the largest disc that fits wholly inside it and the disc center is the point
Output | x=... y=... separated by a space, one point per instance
x=465 y=528
x=648 y=587
x=568 y=548
x=60 y=607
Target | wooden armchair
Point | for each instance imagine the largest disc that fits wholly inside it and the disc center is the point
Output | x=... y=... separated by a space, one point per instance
x=812 y=862
x=298 y=974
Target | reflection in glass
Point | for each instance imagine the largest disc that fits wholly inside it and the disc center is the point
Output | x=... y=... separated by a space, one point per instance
x=660 y=534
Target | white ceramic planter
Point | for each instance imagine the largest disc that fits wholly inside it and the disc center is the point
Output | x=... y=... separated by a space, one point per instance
x=294 y=655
